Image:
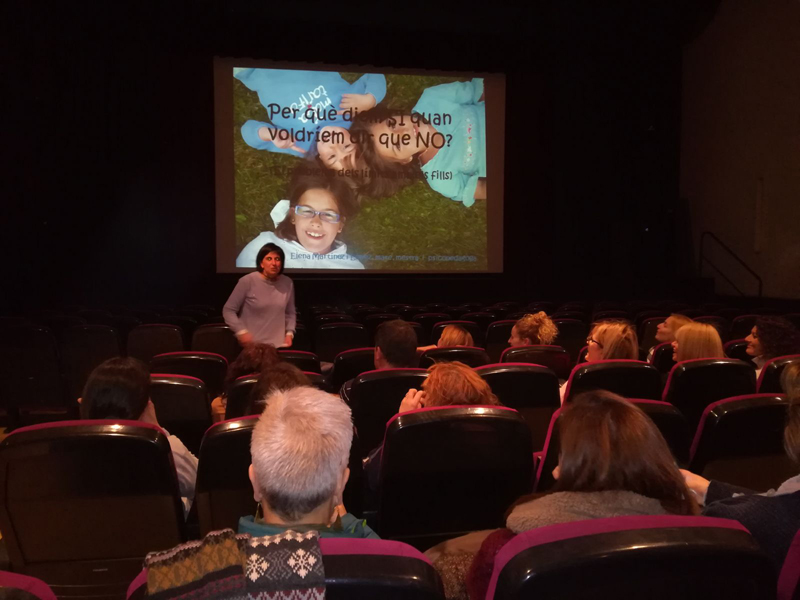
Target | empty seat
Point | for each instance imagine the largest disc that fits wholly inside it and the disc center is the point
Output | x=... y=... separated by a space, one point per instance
x=375 y=398
x=571 y=335
x=224 y=493
x=325 y=318
x=611 y=315
x=497 y=335
x=210 y=368
x=738 y=349
x=302 y=338
x=239 y=396
x=741 y=326
x=145 y=341
x=427 y=320
x=662 y=358
x=694 y=384
x=769 y=381
x=83 y=348
x=449 y=470
x=719 y=323
x=372 y=322
x=555 y=358
x=305 y=361
x=434 y=307
x=483 y=319
x=665 y=556
x=97 y=317
x=216 y=338
x=14 y=586
x=333 y=338
x=350 y=364
x=474 y=357
x=672 y=425
x=182 y=407
x=628 y=378
x=60 y=323
x=82 y=503
x=740 y=441
x=471 y=326
x=531 y=390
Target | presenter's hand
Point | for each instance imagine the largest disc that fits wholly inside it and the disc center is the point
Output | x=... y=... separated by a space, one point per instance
x=414 y=399
x=287 y=341
x=696 y=484
x=356 y=101
x=245 y=339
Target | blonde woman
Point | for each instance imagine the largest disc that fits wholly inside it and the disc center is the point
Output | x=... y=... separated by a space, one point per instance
x=533 y=330
x=697 y=340
x=665 y=332
x=611 y=340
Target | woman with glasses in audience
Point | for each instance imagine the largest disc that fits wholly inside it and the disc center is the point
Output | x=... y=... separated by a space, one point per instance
x=697 y=340
x=772 y=337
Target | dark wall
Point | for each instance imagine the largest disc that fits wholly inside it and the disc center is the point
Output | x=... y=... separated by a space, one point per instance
x=110 y=132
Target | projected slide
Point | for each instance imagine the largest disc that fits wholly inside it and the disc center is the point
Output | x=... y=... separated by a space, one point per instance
x=358 y=171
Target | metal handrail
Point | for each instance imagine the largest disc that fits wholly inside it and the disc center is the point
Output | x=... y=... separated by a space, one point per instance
x=733 y=254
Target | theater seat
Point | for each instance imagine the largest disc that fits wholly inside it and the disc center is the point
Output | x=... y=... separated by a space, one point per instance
x=742 y=326
x=548 y=457
x=571 y=335
x=672 y=425
x=449 y=470
x=146 y=341
x=224 y=493
x=659 y=557
x=789 y=578
x=350 y=364
x=740 y=441
x=210 y=368
x=362 y=569
x=497 y=335
x=332 y=338
x=305 y=361
x=738 y=349
x=662 y=358
x=182 y=407
x=769 y=381
x=375 y=398
x=83 y=348
x=239 y=396
x=82 y=503
x=427 y=320
x=532 y=390
x=474 y=357
x=628 y=378
x=555 y=358
x=14 y=586
x=217 y=338
x=694 y=384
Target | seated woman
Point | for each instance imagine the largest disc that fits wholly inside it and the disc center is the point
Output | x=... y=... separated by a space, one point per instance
x=119 y=388
x=282 y=377
x=613 y=462
x=771 y=337
x=665 y=332
x=697 y=340
x=533 y=330
x=299 y=449
x=773 y=518
x=452 y=335
x=254 y=358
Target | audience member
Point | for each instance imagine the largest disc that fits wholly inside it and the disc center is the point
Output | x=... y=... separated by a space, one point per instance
x=533 y=330
x=771 y=337
x=665 y=332
x=773 y=518
x=254 y=358
x=282 y=377
x=300 y=449
x=119 y=388
x=697 y=340
x=452 y=335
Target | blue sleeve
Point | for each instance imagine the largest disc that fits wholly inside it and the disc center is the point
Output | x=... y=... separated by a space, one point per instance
x=460 y=188
x=460 y=92
x=252 y=139
x=372 y=83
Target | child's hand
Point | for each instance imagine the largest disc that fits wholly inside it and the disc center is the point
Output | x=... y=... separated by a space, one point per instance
x=356 y=101
x=287 y=145
x=270 y=134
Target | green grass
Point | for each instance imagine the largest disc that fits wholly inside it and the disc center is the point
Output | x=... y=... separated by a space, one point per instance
x=416 y=222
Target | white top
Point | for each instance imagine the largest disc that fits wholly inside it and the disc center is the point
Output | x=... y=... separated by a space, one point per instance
x=186 y=468
x=297 y=257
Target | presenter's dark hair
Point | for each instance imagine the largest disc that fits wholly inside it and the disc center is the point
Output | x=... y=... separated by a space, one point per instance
x=398 y=343
x=119 y=388
x=266 y=249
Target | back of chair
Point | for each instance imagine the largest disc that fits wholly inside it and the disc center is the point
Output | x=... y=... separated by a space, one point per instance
x=210 y=368
x=471 y=326
x=497 y=335
x=471 y=356
x=549 y=456
x=672 y=425
x=375 y=398
x=217 y=338
x=14 y=586
x=555 y=358
x=305 y=361
x=571 y=335
x=740 y=441
x=692 y=558
x=789 y=578
x=224 y=493
x=146 y=341
x=427 y=320
x=182 y=407
x=333 y=338
x=769 y=381
x=662 y=358
x=449 y=470
x=82 y=502
x=239 y=396
x=532 y=390
x=738 y=349
x=628 y=378
x=694 y=384
x=350 y=364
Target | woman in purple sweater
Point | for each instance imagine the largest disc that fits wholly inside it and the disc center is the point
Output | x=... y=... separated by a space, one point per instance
x=261 y=307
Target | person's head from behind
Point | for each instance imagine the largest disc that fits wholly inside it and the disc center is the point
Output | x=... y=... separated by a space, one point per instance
x=299 y=449
x=773 y=336
x=697 y=340
x=119 y=388
x=666 y=330
x=270 y=260
x=455 y=335
x=281 y=376
x=608 y=444
x=455 y=384
x=395 y=345
x=533 y=330
x=612 y=340
x=790 y=381
x=254 y=358
x=319 y=206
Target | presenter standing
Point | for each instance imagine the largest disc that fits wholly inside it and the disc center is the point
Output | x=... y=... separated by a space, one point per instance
x=261 y=307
